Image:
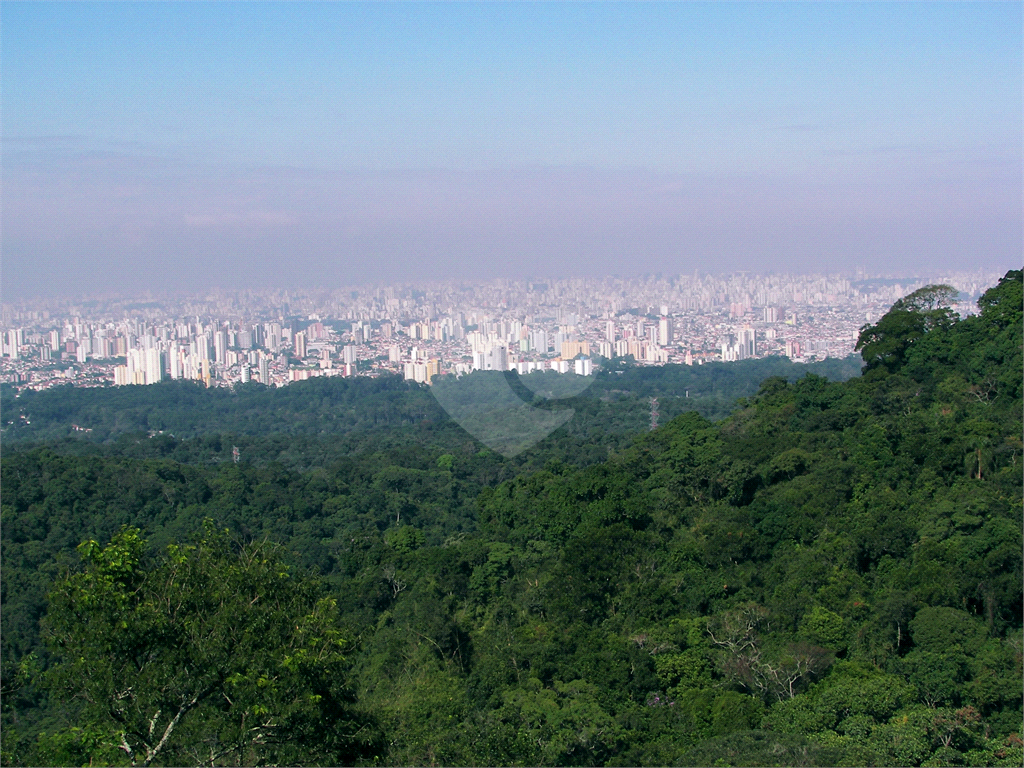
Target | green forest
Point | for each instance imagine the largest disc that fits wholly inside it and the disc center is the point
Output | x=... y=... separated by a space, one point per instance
x=802 y=565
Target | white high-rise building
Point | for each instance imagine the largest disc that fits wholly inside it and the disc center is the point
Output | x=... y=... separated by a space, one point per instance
x=747 y=347
x=273 y=342
x=498 y=359
x=11 y=345
x=154 y=366
x=348 y=354
x=220 y=347
x=175 y=363
x=202 y=345
x=144 y=366
x=665 y=331
x=134 y=363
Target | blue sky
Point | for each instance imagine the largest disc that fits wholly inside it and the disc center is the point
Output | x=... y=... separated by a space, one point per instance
x=202 y=144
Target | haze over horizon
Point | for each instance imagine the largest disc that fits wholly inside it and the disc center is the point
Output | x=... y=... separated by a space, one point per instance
x=186 y=146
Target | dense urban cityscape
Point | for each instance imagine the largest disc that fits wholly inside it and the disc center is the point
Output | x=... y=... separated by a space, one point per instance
x=276 y=336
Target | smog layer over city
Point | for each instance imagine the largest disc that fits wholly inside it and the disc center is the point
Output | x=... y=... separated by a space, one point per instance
x=511 y=383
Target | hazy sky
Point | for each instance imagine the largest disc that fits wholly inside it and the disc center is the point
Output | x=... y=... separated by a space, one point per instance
x=195 y=145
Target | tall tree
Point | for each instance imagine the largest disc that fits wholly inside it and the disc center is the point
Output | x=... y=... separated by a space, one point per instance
x=215 y=654
x=885 y=344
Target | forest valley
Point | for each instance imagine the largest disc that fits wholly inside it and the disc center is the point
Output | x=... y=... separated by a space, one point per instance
x=797 y=568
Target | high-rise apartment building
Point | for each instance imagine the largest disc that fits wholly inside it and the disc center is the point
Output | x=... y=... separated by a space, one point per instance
x=746 y=344
x=730 y=352
x=154 y=366
x=498 y=359
x=539 y=341
x=220 y=347
x=175 y=363
x=273 y=337
x=202 y=346
x=665 y=331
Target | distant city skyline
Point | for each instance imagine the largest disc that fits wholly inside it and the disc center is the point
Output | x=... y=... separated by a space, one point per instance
x=178 y=146
x=421 y=330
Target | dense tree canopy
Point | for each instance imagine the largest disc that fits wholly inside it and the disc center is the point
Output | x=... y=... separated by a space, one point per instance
x=886 y=343
x=829 y=576
x=213 y=654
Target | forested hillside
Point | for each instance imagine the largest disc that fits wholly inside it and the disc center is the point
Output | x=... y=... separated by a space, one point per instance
x=831 y=575
x=338 y=406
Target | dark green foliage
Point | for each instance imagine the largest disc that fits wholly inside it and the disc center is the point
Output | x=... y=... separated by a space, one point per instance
x=212 y=654
x=888 y=342
x=829 y=576
x=337 y=416
x=760 y=748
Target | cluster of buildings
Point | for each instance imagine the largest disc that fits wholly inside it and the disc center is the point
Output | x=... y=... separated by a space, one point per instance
x=276 y=337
